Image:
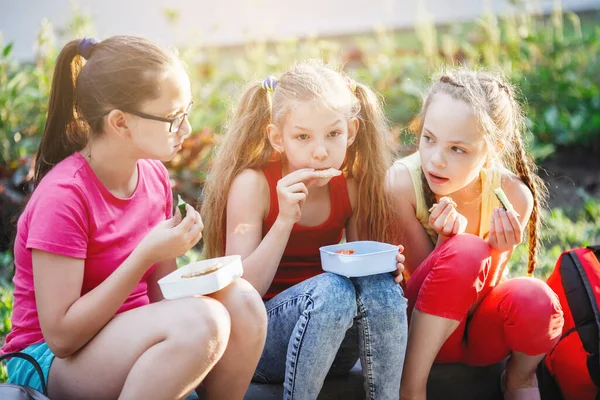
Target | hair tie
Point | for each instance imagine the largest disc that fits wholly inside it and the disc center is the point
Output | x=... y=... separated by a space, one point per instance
x=270 y=83
x=85 y=47
x=351 y=83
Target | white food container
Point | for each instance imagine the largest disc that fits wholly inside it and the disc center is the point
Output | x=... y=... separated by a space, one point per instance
x=369 y=258
x=173 y=286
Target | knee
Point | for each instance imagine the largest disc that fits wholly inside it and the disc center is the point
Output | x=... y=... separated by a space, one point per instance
x=246 y=309
x=199 y=325
x=531 y=304
x=465 y=258
x=334 y=294
x=380 y=293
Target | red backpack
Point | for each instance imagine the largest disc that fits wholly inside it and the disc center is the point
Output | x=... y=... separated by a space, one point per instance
x=571 y=371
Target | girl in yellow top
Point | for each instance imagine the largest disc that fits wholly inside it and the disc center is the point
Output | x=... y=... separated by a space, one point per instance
x=458 y=238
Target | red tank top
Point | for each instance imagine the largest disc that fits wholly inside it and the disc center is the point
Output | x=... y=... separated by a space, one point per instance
x=301 y=259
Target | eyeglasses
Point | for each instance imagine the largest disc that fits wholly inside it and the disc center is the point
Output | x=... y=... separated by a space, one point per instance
x=175 y=122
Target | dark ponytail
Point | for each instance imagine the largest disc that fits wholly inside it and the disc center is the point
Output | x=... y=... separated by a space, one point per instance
x=64 y=133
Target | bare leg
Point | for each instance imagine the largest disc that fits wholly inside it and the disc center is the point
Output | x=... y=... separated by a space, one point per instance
x=159 y=351
x=426 y=335
x=230 y=378
x=520 y=370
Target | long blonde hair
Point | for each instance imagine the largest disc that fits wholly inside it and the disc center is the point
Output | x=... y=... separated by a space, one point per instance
x=246 y=145
x=500 y=117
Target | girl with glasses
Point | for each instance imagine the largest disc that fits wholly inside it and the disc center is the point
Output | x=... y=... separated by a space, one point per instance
x=99 y=231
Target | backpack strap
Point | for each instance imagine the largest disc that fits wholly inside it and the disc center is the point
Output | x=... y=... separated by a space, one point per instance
x=33 y=362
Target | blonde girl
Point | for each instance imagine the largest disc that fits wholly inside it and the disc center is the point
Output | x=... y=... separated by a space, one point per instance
x=268 y=200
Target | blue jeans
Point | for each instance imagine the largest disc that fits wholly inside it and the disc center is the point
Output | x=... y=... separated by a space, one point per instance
x=323 y=324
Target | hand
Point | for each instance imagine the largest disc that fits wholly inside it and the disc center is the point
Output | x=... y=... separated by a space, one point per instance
x=506 y=231
x=171 y=238
x=445 y=220
x=398 y=273
x=291 y=194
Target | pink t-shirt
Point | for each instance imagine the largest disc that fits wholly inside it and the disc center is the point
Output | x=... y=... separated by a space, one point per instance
x=72 y=213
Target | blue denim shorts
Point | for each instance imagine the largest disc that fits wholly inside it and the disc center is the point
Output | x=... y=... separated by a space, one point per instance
x=21 y=372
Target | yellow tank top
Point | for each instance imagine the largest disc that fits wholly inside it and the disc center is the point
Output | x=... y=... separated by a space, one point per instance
x=491 y=178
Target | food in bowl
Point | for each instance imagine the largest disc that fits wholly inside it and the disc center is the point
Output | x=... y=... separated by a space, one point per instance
x=203 y=271
x=346 y=252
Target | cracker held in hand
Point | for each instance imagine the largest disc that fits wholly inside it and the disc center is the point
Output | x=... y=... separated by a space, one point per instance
x=452 y=202
x=503 y=199
x=327 y=173
x=202 y=271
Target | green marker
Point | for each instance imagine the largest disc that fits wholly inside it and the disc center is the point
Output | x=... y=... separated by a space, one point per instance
x=503 y=199
x=181 y=206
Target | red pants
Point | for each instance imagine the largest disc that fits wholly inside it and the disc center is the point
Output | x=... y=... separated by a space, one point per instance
x=520 y=314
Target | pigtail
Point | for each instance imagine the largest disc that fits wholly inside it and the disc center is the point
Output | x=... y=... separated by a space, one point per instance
x=367 y=160
x=244 y=145
x=64 y=132
x=525 y=169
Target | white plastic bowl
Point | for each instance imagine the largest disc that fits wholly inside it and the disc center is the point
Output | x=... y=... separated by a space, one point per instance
x=173 y=286
x=369 y=258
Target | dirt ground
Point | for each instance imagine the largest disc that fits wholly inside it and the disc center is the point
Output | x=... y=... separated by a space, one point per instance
x=571 y=175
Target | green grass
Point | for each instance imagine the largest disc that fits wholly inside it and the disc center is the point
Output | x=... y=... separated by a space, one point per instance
x=563 y=229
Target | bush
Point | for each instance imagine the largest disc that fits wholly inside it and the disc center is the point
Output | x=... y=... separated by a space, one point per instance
x=563 y=230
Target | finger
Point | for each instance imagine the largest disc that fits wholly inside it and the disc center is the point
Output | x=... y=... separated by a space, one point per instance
x=198 y=238
x=299 y=175
x=442 y=217
x=516 y=224
x=195 y=234
x=456 y=226
x=493 y=228
x=298 y=188
x=175 y=219
x=449 y=223
x=297 y=197
x=442 y=206
x=186 y=224
x=192 y=212
x=400 y=276
x=400 y=258
x=507 y=228
x=400 y=248
x=500 y=237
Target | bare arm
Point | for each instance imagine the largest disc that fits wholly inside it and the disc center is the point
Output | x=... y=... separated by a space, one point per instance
x=67 y=319
x=352 y=233
x=506 y=229
x=247 y=207
x=162 y=269
x=408 y=231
